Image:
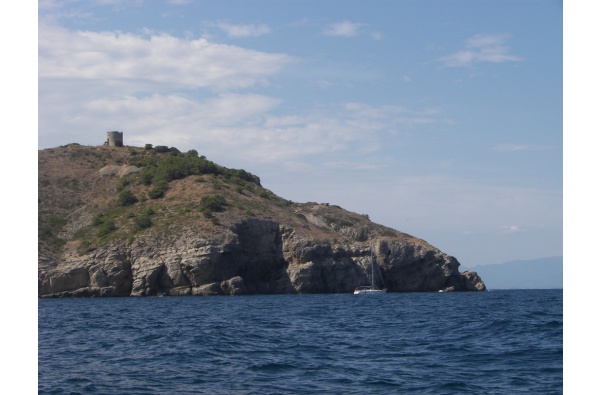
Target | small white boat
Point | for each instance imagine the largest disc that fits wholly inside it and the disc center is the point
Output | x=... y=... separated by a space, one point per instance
x=370 y=289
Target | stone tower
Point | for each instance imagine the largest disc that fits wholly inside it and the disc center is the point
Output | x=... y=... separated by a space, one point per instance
x=114 y=139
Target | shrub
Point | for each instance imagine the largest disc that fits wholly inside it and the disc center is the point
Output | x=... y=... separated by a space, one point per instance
x=346 y=223
x=98 y=219
x=142 y=222
x=156 y=193
x=148 y=147
x=192 y=152
x=264 y=193
x=107 y=227
x=145 y=176
x=206 y=213
x=126 y=198
x=123 y=182
x=159 y=190
x=212 y=203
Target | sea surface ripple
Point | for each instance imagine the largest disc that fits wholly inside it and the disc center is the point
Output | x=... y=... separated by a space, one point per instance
x=496 y=342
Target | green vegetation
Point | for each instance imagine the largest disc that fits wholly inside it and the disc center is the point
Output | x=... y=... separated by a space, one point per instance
x=389 y=233
x=212 y=203
x=342 y=222
x=159 y=170
x=123 y=182
x=126 y=198
x=142 y=222
x=48 y=230
x=159 y=190
x=107 y=227
x=98 y=219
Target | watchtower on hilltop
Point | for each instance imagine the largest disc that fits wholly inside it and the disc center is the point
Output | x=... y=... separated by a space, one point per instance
x=114 y=139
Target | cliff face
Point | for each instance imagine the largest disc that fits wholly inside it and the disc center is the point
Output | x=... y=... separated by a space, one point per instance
x=279 y=247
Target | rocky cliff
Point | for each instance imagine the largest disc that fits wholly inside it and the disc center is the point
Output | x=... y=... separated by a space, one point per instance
x=92 y=242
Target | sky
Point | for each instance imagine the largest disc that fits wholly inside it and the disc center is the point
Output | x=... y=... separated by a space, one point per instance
x=441 y=119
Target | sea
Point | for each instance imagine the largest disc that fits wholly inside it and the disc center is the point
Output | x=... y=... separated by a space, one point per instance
x=494 y=342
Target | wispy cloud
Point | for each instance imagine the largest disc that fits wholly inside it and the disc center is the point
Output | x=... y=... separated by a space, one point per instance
x=482 y=48
x=193 y=93
x=510 y=229
x=240 y=31
x=344 y=29
x=157 y=59
x=377 y=36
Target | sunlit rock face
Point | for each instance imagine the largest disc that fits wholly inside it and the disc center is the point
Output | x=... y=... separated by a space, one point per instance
x=252 y=257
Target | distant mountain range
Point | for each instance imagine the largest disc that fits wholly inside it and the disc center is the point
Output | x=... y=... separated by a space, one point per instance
x=524 y=274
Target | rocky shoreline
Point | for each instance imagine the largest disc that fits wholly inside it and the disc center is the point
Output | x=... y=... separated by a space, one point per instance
x=255 y=257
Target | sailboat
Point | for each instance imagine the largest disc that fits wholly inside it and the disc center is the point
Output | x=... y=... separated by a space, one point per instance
x=370 y=289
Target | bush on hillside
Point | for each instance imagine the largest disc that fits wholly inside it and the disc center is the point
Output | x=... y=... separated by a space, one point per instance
x=159 y=190
x=142 y=222
x=212 y=203
x=126 y=198
x=107 y=227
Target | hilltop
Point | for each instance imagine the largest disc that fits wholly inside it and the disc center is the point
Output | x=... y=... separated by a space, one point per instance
x=118 y=221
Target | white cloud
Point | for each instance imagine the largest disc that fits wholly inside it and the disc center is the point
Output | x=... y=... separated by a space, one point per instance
x=157 y=59
x=244 y=30
x=343 y=29
x=482 y=48
x=173 y=91
x=240 y=128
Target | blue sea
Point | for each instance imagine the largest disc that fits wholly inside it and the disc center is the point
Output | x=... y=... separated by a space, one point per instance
x=495 y=342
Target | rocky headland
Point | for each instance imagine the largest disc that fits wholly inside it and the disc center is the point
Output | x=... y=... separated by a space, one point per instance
x=130 y=221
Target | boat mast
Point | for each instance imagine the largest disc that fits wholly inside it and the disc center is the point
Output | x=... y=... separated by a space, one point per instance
x=372 y=271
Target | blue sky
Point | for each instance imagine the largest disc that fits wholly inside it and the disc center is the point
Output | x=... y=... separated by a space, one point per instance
x=442 y=119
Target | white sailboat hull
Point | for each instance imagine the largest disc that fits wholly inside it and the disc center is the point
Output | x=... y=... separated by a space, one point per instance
x=369 y=291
